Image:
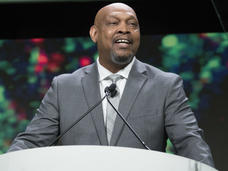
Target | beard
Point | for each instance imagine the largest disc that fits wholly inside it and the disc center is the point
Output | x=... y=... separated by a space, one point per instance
x=121 y=59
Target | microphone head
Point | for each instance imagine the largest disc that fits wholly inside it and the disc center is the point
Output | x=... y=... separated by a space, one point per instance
x=111 y=90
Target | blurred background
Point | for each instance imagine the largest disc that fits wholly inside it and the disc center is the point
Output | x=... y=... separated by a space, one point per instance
x=39 y=40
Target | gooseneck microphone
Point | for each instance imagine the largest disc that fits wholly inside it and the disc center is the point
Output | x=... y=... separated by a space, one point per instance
x=219 y=17
x=109 y=91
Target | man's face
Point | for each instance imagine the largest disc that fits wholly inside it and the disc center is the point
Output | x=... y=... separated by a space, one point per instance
x=118 y=35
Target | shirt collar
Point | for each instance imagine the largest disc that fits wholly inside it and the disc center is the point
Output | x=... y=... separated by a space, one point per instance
x=103 y=72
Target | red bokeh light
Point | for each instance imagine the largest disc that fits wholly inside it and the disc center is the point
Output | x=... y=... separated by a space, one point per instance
x=57 y=57
x=37 y=40
x=53 y=67
x=38 y=68
x=84 y=61
x=42 y=59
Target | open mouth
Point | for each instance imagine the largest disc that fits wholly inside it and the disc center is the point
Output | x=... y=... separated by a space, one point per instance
x=123 y=43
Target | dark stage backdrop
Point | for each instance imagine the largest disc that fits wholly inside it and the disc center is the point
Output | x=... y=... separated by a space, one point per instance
x=27 y=67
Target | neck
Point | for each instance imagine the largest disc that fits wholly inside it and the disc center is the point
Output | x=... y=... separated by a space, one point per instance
x=111 y=66
x=114 y=68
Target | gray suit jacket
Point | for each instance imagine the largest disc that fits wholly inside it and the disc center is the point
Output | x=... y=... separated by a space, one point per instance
x=153 y=102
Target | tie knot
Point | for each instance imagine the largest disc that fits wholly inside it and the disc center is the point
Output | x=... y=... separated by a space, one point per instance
x=114 y=77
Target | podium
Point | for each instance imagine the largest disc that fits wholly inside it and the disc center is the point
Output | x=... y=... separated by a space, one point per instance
x=100 y=158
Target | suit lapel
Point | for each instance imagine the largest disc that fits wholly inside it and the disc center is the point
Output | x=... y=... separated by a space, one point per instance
x=133 y=86
x=92 y=94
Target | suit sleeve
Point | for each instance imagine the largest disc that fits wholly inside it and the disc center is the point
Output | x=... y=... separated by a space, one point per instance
x=182 y=127
x=44 y=127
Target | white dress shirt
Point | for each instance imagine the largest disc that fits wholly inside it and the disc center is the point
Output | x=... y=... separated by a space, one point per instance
x=104 y=73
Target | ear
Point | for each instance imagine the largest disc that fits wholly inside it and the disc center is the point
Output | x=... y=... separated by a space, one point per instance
x=93 y=33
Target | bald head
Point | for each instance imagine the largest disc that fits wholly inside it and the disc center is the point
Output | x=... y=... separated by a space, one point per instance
x=117 y=35
x=109 y=8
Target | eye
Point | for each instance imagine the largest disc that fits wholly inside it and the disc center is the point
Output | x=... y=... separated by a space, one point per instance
x=113 y=23
x=133 y=24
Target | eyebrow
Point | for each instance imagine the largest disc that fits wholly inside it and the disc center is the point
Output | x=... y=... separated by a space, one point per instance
x=131 y=17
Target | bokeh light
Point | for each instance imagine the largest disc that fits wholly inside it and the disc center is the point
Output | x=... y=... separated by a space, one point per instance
x=27 y=68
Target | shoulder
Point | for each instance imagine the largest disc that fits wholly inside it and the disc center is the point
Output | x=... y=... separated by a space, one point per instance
x=157 y=74
x=75 y=76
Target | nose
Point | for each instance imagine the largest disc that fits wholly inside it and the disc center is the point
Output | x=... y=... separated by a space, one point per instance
x=123 y=29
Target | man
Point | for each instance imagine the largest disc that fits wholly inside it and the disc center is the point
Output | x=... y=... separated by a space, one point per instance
x=152 y=101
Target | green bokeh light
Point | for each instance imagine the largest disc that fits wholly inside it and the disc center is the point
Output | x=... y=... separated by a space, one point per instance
x=188 y=75
x=1 y=42
x=34 y=55
x=2 y=97
x=214 y=63
x=70 y=45
x=95 y=56
x=86 y=43
x=4 y=65
x=32 y=79
x=206 y=75
x=73 y=64
x=170 y=41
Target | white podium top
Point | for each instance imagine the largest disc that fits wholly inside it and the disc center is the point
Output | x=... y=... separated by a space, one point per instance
x=100 y=158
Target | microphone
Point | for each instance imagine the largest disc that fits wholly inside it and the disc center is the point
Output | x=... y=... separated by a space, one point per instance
x=109 y=91
x=125 y=121
x=219 y=17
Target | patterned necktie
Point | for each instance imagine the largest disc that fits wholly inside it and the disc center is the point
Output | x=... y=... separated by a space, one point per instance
x=110 y=112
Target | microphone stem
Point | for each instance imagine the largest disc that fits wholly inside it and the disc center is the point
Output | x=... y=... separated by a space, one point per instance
x=90 y=109
x=219 y=18
x=128 y=125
